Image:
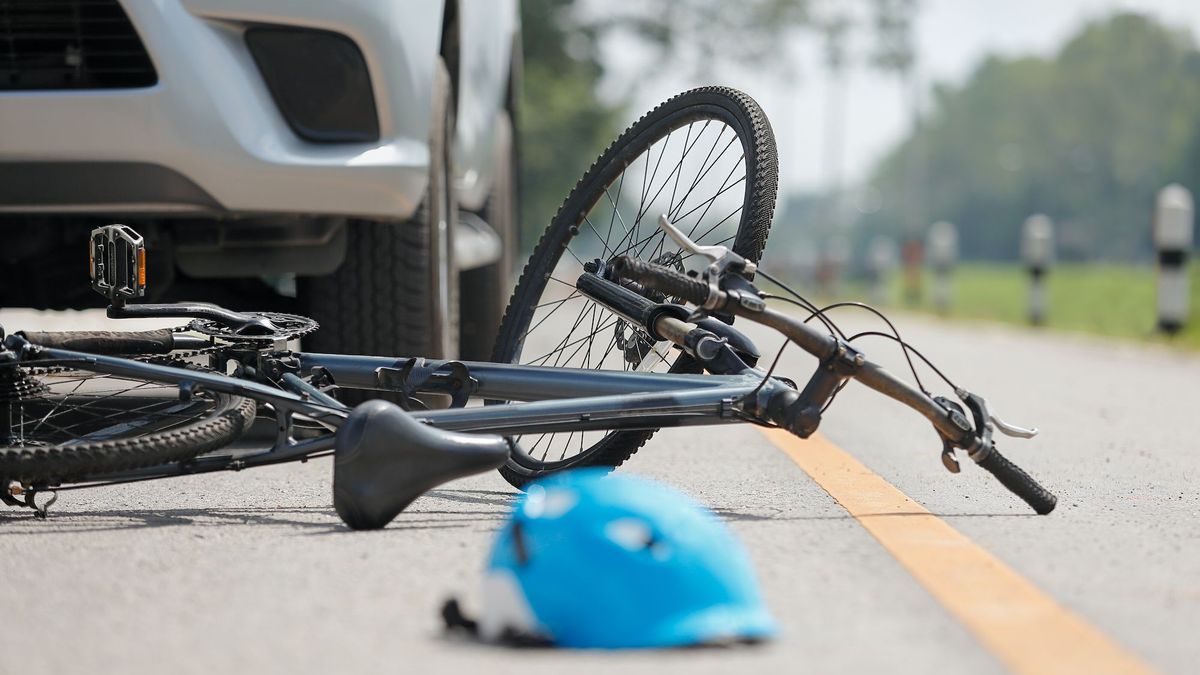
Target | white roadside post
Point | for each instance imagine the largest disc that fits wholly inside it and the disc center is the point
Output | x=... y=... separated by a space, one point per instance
x=1173 y=240
x=881 y=262
x=1037 y=250
x=943 y=253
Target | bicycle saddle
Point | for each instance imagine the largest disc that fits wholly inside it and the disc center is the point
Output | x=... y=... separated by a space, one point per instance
x=384 y=459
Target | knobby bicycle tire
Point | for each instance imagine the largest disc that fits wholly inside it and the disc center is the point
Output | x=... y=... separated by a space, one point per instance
x=728 y=106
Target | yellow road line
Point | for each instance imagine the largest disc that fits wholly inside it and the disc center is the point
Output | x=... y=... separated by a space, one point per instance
x=1022 y=626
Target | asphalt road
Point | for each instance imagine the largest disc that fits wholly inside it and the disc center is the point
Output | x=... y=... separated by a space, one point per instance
x=254 y=571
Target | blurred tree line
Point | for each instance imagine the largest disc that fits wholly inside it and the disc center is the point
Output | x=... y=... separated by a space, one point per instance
x=563 y=123
x=1087 y=137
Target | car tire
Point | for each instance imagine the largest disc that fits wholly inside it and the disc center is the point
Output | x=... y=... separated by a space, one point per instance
x=485 y=290
x=396 y=292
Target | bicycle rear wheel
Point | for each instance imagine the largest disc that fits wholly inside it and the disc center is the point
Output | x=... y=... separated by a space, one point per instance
x=60 y=425
x=705 y=158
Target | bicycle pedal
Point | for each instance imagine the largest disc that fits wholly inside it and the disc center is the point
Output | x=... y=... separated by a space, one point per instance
x=117 y=263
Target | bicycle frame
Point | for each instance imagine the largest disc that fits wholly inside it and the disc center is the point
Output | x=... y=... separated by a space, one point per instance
x=560 y=399
x=551 y=399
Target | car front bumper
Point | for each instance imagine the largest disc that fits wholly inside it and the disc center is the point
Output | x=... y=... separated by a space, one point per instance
x=210 y=131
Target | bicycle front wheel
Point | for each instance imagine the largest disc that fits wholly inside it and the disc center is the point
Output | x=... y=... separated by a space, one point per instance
x=706 y=159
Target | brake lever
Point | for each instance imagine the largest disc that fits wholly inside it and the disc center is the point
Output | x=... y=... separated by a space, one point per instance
x=994 y=420
x=1011 y=429
x=721 y=256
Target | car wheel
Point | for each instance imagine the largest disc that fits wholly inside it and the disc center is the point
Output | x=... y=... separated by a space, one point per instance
x=486 y=289
x=396 y=293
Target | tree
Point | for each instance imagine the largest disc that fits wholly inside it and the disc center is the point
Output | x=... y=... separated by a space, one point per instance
x=1087 y=137
x=563 y=124
x=702 y=34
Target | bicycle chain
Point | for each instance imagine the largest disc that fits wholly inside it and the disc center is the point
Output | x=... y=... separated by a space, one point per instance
x=222 y=340
x=176 y=355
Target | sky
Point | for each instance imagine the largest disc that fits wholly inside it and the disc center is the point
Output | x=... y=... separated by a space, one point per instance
x=952 y=37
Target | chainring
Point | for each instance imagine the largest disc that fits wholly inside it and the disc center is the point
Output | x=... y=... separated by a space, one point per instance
x=288 y=327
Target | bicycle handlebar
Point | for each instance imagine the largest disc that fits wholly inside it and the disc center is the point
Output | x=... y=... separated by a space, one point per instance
x=663 y=279
x=1018 y=482
x=824 y=347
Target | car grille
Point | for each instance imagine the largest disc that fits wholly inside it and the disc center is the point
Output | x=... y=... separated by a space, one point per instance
x=70 y=44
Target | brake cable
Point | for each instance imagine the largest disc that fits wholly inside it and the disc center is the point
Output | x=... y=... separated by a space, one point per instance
x=821 y=312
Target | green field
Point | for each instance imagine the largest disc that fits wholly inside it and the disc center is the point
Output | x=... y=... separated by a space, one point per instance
x=1103 y=299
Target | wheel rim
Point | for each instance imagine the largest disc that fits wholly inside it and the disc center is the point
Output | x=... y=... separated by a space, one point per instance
x=694 y=170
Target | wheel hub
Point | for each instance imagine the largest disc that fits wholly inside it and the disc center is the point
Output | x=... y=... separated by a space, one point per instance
x=633 y=342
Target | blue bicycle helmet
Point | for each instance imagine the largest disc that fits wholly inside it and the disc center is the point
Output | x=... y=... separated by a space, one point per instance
x=594 y=561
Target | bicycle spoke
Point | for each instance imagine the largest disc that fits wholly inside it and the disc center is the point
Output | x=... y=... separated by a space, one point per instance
x=703 y=175
x=541 y=359
x=78 y=406
x=603 y=241
x=586 y=340
x=720 y=223
x=616 y=209
x=678 y=168
x=710 y=200
x=725 y=187
x=558 y=302
x=548 y=314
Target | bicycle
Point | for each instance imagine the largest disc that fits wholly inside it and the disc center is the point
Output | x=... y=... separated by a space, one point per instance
x=656 y=348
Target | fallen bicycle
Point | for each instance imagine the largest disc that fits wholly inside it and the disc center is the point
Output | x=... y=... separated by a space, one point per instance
x=653 y=291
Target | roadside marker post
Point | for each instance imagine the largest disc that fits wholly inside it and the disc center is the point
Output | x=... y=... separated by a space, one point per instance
x=1037 y=251
x=912 y=252
x=943 y=254
x=1173 y=237
x=881 y=262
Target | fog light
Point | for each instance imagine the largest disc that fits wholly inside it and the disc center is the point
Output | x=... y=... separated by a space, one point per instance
x=319 y=81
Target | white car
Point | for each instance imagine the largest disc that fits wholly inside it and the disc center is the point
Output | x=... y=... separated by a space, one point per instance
x=362 y=148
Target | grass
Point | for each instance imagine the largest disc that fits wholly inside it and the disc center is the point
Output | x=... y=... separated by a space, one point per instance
x=1102 y=299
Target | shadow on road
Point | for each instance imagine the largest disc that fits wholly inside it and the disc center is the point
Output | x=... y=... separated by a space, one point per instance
x=493 y=506
x=467 y=508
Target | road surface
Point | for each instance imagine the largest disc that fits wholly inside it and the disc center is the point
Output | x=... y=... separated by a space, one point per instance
x=253 y=571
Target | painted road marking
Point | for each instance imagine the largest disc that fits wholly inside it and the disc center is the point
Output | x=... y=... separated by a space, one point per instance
x=1022 y=626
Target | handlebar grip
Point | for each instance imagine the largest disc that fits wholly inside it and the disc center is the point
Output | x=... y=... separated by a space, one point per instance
x=663 y=279
x=160 y=341
x=1020 y=483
